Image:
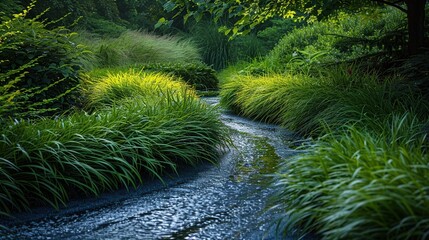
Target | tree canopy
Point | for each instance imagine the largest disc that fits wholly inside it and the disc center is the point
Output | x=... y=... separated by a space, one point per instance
x=246 y=14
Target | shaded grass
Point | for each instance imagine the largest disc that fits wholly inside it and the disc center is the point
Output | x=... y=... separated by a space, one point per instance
x=134 y=47
x=367 y=176
x=370 y=183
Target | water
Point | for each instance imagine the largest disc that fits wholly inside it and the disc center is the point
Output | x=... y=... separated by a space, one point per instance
x=207 y=202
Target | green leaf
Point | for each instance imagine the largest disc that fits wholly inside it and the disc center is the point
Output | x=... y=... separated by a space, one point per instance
x=160 y=22
x=169 y=6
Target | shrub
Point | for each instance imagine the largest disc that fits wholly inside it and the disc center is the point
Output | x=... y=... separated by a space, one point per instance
x=8 y=7
x=12 y=98
x=198 y=75
x=103 y=27
x=278 y=29
x=247 y=47
x=51 y=59
x=344 y=37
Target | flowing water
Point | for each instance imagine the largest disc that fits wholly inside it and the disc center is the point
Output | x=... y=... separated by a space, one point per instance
x=226 y=201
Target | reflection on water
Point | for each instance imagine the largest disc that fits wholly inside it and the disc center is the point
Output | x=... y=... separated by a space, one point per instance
x=207 y=202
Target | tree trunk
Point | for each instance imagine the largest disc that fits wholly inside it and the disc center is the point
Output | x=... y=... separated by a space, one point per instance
x=416 y=25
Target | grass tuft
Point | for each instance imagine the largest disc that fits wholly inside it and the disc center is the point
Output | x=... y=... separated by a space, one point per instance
x=140 y=126
x=359 y=182
x=135 y=47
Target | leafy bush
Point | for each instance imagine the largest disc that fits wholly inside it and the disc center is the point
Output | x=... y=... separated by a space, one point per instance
x=50 y=160
x=103 y=27
x=369 y=183
x=12 y=98
x=343 y=37
x=248 y=47
x=8 y=7
x=198 y=75
x=74 y=9
x=278 y=29
x=51 y=59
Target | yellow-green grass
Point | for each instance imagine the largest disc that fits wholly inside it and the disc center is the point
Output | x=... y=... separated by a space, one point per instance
x=309 y=105
x=110 y=88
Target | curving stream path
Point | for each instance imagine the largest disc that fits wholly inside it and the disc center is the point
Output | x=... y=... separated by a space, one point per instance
x=206 y=202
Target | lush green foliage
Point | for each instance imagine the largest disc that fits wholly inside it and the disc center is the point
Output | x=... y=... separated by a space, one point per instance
x=8 y=7
x=307 y=105
x=102 y=27
x=249 y=13
x=114 y=88
x=134 y=47
x=340 y=38
x=40 y=65
x=198 y=75
x=118 y=145
x=277 y=28
x=216 y=49
x=100 y=16
x=219 y=51
x=366 y=177
x=74 y=9
x=360 y=182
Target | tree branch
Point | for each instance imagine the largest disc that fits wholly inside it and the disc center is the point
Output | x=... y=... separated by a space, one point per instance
x=393 y=4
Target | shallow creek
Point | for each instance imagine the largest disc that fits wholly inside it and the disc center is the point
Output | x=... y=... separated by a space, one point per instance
x=226 y=201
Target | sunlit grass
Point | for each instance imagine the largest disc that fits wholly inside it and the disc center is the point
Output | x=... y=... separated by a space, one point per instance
x=110 y=88
x=311 y=105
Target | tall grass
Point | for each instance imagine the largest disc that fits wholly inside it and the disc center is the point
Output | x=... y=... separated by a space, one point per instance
x=312 y=105
x=114 y=87
x=214 y=45
x=365 y=176
x=135 y=47
x=128 y=137
x=359 y=183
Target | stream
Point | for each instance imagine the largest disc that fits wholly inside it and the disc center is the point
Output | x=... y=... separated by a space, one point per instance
x=224 y=201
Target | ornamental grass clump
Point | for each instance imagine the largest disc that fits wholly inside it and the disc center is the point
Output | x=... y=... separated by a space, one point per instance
x=359 y=183
x=123 y=141
x=313 y=105
x=113 y=87
x=134 y=47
